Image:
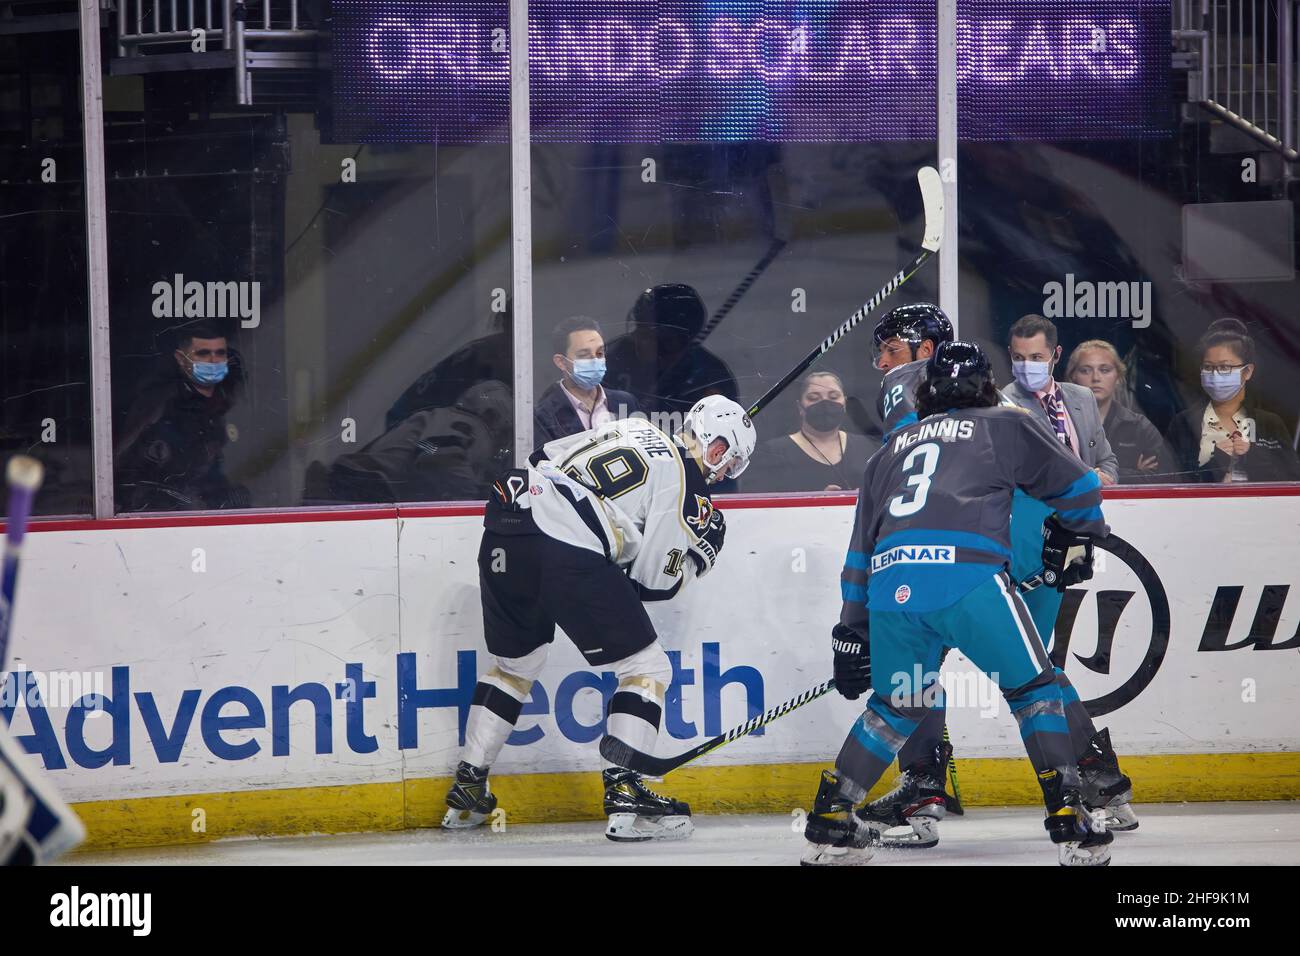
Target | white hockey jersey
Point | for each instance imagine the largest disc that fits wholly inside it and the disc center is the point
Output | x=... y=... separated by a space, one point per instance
x=626 y=490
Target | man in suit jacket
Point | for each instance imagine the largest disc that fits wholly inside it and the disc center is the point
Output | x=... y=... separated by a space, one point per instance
x=578 y=401
x=1069 y=410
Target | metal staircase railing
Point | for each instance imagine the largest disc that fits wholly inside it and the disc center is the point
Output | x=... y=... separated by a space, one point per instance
x=169 y=35
x=1245 y=58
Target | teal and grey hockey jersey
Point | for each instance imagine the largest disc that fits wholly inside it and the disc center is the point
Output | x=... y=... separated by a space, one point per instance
x=934 y=508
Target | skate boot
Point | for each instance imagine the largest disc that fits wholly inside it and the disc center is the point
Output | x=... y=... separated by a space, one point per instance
x=918 y=802
x=1079 y=833
x=637 y=814
x=469 y=802
x=1104 y=786
x=836 y=835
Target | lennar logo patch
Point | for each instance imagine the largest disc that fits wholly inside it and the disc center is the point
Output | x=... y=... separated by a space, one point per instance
x=75 y=908
x=913 y=554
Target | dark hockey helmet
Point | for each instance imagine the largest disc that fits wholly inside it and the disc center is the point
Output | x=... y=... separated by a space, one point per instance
x=669 y=306
x=912 y=324
x=957 y=374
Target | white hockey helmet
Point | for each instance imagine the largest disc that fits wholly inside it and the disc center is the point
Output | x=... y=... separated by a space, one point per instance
x=715 y=417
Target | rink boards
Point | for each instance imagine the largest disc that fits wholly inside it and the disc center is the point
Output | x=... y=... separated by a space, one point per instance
x=193 y=680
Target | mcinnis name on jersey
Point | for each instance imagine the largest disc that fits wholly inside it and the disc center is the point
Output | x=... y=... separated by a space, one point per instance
x=951 y=429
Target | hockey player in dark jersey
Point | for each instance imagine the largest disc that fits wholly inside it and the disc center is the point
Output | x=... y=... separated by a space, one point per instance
x=903 y=341
x=596 y=524
x=927 y=569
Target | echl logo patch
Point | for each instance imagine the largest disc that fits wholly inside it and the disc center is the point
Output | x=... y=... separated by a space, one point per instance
x=704 y=507
x=903 y=594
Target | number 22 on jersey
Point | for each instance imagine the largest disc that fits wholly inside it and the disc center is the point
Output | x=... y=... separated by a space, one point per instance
x=904 y=506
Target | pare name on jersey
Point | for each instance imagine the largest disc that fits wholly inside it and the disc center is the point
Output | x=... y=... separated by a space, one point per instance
x=949 y=429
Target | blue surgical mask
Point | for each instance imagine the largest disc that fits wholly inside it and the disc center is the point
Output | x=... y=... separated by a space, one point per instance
x=1221 y=386
x=210 y=373
x=1033 y=376
x=588 y=373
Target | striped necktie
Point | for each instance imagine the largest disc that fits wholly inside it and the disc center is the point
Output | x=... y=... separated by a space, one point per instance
x=1056 y=412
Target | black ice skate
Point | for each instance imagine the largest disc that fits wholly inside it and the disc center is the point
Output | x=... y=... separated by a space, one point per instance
x=1079 y=833
x=836 y=835
x=917 y=802
x=1104 y=786
x=637 y=814
x=469 y=801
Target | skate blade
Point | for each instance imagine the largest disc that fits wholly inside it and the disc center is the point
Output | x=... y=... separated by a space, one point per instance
x=818 y=854
x=1072 y=854
x=920 y=833
x=455 y=819
x=630 y=828
x=1120 y=818
x=907 y=838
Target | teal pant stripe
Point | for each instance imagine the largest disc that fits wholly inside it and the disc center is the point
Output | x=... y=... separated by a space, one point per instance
x=899 y=724
x=1044 y=724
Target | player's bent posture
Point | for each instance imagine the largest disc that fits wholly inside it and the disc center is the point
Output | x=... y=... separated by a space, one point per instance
x=36 y=826
x=598 y=523
x=903 y=342
x=927 y=570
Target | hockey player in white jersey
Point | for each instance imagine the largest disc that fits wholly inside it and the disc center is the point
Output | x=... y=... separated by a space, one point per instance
x=598 y=523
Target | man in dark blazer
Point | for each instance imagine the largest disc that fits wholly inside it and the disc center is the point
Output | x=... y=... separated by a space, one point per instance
x=1069 y=410
x=578 y=401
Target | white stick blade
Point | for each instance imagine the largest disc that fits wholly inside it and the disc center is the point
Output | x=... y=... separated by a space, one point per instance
x=932 y=196
x=25 y=472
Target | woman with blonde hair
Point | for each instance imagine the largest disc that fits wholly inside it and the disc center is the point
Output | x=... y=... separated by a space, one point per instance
x=1143 y=455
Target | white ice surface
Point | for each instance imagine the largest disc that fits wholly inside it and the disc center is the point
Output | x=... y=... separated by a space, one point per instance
x=1221 y=834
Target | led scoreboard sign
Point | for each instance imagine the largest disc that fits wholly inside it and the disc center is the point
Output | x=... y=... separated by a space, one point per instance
x=419 y=71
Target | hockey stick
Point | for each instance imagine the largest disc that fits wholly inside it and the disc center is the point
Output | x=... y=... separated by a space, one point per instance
x=955 y=806
x=778 y=200
x=932 y=197
x=48 y=828
x=617 y=752
x=24 y=475
x=738 y=293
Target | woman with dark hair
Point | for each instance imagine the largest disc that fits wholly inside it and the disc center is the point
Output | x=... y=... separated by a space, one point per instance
x=1228 y=438
x=820 y=456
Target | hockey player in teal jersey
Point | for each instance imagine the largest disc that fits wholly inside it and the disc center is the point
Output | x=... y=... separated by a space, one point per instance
x=903 y=341
x=927 y=569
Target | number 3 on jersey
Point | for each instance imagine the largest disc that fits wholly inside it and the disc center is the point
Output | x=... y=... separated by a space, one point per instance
x=902 y=506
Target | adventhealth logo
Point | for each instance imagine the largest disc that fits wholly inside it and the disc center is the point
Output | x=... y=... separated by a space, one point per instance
x=75 y=908
x=237 y=722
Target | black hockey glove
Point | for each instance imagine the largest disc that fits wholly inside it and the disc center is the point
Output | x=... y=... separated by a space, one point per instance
x=852 y=661
x=1067 y=555
x=507 y=489
x=709 y=543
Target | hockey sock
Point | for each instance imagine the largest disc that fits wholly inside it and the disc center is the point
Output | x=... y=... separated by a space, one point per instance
x=923 y=744
x=1082 y=728
x=493 y=712
x=1040 y=711
x=634 y=712
x=869 y=749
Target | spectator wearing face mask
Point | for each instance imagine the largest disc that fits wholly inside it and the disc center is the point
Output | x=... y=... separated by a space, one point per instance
x=1139 y=448
x=820 y=456
x=578 y=401
x=1069 y=410
x=1229 y=438
x=169 y=452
